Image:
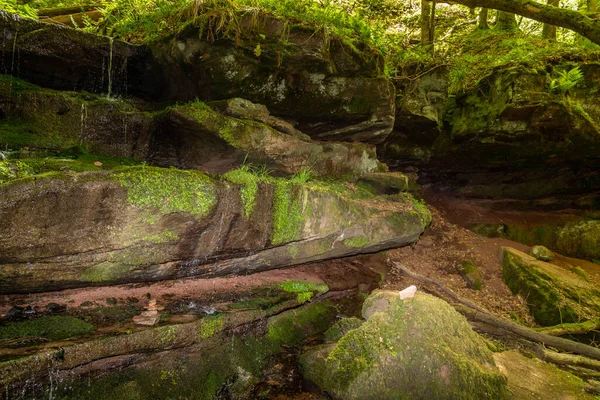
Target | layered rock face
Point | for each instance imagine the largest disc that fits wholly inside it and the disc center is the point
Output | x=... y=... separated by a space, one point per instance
x=334 y=91
x=62 y=58
x=509 y=136
x=63 y=228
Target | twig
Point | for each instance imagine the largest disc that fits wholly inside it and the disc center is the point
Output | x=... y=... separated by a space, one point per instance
x=443 y=288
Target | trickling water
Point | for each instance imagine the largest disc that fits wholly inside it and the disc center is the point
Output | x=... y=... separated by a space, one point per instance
x=110 y=61
x=83 y=118
x=14 y=51
x=125 y=129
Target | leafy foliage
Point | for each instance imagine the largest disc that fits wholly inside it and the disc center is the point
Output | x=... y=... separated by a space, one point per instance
x=565 y=80
x=24 y=10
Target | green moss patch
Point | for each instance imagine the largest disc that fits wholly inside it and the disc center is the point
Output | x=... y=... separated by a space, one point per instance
x=304 y=290
x=248 y=178
x=107 y=272
x=289 y=328
x=51 y=328
x=357 y=241
x=341 y=328
x=211 y=326
x=169 y=190
x=287 y=212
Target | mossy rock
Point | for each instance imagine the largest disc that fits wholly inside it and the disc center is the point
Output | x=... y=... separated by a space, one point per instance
x=534 y=379
x=542 y=253
x=385 y=182
x=414 y=348
x=554 y=295
x=45 y=328
x=577 y=239
x=472 y=274
x=264 y=144
x=342 y=327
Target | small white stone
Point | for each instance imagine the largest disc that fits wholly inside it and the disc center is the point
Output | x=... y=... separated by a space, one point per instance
x=408 y=293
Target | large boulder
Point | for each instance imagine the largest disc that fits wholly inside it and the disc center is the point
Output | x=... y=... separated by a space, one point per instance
x=58 y=57
x=194 y=129
x=333 y=90
x=555 y=295
x=418 y=348
x=70 y=224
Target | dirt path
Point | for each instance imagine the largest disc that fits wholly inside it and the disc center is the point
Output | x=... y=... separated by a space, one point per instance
x=442 y=249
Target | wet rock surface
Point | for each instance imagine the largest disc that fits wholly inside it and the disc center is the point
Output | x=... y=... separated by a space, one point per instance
x=58 y=57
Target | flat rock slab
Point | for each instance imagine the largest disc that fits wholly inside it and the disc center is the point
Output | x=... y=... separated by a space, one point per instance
x=532 y=379
x=555 y=295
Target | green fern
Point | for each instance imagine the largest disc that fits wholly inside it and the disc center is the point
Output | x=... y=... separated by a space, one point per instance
x=566 y=80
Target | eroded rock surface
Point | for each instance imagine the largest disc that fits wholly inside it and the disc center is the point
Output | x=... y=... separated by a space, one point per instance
x=62 y=228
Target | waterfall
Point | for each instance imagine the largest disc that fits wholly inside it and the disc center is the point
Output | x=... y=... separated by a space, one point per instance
x=110 y=61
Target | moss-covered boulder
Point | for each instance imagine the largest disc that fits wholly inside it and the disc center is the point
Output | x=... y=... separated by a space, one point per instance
x=413 y=348
x=198 y=129
x=245 y=109
x=554 y=295
x=333 y=90
x=472 y=274
x=542 y=253
x=66 y=223
x=385 y=182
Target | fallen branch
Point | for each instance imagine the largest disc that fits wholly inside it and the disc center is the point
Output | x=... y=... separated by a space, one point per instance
x=443 y=288
x=580 y=328
x=593 y=387
x=569 y=360
x=475 y=313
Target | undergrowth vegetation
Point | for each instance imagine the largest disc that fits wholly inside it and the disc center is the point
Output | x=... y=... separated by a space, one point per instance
x=389 y=28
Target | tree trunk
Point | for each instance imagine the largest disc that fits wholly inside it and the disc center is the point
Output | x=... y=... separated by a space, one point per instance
x=483 y=19
x=549 y=31
x=565 y=18
x=425 y=23
x=506 y=21
x=432 y=23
